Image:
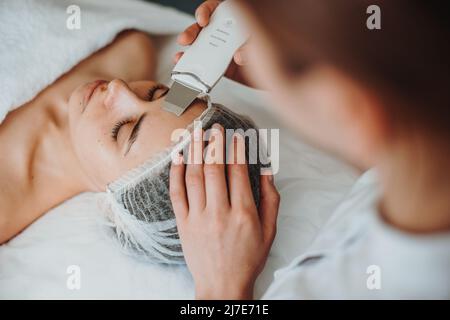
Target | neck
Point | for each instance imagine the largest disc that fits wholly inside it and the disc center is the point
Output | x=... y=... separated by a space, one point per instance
x=416 y=188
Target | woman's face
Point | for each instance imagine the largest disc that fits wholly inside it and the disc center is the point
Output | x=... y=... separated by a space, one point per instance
x=116 y=126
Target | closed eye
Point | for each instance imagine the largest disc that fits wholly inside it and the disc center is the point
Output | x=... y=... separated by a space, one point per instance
x=135 y=132
x=153 y=90
x=116 y=129
x=151 y=95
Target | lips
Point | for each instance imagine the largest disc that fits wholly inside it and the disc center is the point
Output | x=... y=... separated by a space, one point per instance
x=90 y=90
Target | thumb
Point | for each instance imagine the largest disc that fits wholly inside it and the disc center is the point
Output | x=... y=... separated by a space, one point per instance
x=241 y=56
x=270 y=202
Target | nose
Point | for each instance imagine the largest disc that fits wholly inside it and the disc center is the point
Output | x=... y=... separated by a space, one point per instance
x=119 y=94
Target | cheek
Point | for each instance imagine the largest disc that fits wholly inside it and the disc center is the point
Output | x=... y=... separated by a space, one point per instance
x=95 y=151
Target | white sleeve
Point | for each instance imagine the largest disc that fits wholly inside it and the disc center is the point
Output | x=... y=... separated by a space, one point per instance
x=380 y=265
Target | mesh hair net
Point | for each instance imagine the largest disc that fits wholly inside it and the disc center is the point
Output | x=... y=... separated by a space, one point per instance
x=137 y=206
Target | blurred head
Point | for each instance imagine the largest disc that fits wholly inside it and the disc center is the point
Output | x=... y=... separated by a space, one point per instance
x=116 y=126
x=336 y=81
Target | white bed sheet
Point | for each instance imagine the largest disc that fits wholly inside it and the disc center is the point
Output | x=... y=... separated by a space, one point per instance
x=35 y=263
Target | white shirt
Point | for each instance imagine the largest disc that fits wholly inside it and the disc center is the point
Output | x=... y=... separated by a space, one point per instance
x=358 y=256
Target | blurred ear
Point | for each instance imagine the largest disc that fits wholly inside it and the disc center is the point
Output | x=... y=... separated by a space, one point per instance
x=339 y=114
x=368 y=127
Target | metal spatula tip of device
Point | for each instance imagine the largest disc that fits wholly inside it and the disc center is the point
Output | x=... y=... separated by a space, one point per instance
x=179 y=98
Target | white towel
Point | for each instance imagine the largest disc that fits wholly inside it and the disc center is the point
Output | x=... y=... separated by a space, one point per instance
x=37 y=47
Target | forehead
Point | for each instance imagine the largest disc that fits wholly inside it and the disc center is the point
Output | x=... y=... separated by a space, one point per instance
x=156 y=131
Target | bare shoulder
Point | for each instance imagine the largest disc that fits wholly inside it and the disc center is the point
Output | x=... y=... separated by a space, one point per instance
x=131 y=57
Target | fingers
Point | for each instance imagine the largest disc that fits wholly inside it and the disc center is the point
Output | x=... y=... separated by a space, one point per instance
x=202 y=15
x=177 y=188
x=195 y=185
x=189 y=34
x=204 y=11
x=239 y=183
x=214 y=171
x=177 y=56
x=240 y=56
x=270 y=201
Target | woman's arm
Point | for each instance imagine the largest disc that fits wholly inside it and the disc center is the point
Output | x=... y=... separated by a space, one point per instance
x=130 y=57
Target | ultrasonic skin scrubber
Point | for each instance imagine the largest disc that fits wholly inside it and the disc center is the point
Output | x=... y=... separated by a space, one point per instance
x=206 y=60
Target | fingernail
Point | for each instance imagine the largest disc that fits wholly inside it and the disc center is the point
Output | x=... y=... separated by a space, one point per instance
x=241 y=57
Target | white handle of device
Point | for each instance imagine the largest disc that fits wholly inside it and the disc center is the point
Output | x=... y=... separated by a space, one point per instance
x=206 y=60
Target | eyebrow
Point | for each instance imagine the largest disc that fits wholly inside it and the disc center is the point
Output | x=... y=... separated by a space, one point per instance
x=134 y=133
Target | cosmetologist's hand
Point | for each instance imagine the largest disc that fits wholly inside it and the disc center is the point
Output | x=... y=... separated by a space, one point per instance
x=225 y=239
x=202 y=15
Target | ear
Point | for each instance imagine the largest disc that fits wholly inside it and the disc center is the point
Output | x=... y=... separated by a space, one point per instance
x=340 y=114
x=369 y=131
